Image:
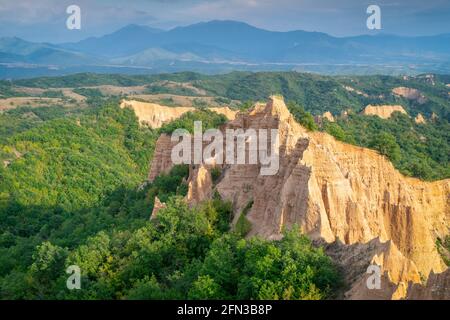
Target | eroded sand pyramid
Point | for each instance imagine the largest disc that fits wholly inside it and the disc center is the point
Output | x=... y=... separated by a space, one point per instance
x=350 y=199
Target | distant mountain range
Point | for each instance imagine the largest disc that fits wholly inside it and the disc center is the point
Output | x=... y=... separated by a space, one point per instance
x=218 y=46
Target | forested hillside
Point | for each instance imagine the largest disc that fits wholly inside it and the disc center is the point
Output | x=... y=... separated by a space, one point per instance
x=55 y=177
x=72 y=192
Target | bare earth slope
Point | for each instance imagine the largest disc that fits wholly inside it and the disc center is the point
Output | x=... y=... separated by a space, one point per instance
x=349 y=197
x=383 y=112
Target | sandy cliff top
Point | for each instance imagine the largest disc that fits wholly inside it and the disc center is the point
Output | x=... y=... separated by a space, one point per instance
x=155 y=115
x=382 y=111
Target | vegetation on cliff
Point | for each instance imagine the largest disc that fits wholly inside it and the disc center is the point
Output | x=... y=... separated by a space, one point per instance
x=209 y=120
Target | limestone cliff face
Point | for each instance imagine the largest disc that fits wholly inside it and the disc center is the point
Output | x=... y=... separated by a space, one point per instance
x=384 y=111
x=338 y=194
x=155 y=115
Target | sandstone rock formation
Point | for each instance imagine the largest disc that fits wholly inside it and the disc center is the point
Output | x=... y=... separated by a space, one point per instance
x=158 y=205
x=434 y=116
x=345 y=113
x=410 y=94
x=161 y=162
x=351 y=89
x=326 y=115
x=348 y=197
x=227 y=112
x=199 y=184
x=396 y=271
x=384 y=111
x=419 y=119
x=437 y=288
x=329 y=116
x=155 y=115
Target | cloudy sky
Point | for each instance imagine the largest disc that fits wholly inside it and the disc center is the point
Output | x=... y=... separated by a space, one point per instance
x=44 y=20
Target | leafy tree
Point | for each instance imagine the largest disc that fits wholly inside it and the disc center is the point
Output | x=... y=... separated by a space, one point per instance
x=303 y=117
x=335 y=130
x=215 y=173
x=204 y=288
x=386 y=144
x=47 y=266
x=148 y=288
x=243 y=225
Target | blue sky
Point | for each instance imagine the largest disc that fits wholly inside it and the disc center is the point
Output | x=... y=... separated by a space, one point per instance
x=44 y=20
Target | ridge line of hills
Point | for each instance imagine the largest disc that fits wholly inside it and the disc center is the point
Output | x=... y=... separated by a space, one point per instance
x=215 y=46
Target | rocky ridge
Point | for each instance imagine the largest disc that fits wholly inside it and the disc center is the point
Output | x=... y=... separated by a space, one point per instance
x=155 y=115
x=382 y=111
x=410 y=94
x=350 y=199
